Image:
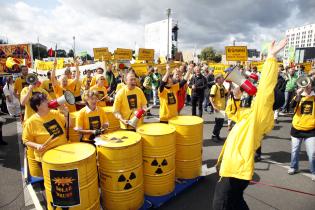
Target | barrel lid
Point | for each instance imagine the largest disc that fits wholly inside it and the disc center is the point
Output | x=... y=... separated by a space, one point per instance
x=118 y=139
x=68 y=153
x=185 y=120
x=108 y=108
x=155 y=129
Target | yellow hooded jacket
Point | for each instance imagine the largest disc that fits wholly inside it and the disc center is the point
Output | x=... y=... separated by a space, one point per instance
x=237 y=155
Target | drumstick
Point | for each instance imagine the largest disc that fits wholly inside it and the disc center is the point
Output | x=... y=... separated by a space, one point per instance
x=48 y=140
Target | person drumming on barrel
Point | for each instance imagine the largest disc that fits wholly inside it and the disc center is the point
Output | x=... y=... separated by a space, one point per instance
x=168 y=94
x=92 y=120
x=46 y=128
x=129 y=99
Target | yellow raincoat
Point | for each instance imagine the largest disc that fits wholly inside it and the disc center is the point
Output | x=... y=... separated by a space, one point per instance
x=237 y=155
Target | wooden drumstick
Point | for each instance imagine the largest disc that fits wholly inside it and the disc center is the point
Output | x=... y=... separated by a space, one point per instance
x=48 y=140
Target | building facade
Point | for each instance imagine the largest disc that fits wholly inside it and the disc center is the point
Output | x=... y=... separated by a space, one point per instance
x=299 y=37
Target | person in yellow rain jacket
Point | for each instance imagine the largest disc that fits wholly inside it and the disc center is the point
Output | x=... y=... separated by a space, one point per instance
x=236 y=161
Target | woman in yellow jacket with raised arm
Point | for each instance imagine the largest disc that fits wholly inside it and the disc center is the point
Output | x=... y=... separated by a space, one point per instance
x=236 y=161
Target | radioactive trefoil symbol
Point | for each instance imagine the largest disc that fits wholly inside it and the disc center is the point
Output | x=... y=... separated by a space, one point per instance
x=159 y=165
x=122 y=178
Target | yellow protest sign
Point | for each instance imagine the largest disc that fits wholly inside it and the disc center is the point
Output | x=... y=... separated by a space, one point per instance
x=307 y=67
x=146 y=54
x=236 y=53
x=42 y=65
x=123 y=54
x=102 y=54
x=218 y=68
x=140 y=68
x=162 y=67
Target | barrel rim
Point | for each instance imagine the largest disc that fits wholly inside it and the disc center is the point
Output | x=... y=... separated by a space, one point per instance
x=70 y=162
x=172 y=129
x=173 y=119
x=113 y=146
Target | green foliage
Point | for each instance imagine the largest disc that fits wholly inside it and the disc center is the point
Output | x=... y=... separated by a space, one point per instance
x=209 y=54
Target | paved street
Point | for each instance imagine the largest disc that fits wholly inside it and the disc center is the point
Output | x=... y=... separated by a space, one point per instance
x=271 y=170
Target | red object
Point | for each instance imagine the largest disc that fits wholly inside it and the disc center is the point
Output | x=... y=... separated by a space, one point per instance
x=50 y=52
x=139 y=113
x=249 y=88
x=121 y=66
x=53 y=104
x=253 y=76
x=181 y=96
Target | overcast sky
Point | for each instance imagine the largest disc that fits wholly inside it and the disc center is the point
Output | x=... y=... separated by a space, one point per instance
x=120 y=23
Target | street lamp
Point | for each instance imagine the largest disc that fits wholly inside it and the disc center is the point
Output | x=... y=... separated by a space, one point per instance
x=168 y=12
x=73 y=46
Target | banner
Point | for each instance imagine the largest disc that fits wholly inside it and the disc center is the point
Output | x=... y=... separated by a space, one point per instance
x=236 y=53
x=123 y=54
x=102 y=54
x=146 y=54
x=59 y=72
x=21 y=51
x=141 y=69
x=48 y=65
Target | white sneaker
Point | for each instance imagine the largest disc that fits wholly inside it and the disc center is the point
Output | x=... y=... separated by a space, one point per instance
x=292 y=171
x=313 y=177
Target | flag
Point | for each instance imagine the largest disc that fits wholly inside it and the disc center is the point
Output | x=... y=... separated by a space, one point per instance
x=50 y=52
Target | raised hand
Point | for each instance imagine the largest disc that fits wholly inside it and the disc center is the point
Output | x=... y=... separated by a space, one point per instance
x=275 y=48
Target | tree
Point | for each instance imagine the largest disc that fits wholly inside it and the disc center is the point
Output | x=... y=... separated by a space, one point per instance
x=39 y=51
x=3 y=41
x=209 y=54
x=71 y=53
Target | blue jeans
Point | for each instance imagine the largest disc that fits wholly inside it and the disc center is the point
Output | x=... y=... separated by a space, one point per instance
x=288 y=95
x=310 y=150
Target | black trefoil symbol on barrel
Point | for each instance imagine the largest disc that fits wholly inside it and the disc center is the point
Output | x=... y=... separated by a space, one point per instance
x=122 y=178
x=159 y=165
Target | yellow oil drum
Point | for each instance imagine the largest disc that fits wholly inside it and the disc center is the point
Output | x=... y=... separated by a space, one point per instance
x=158 y=158
x=189 y=137
x=120 y=170
x=34 y=167
x=70 y=177
x=74 y=136
x=113 y=121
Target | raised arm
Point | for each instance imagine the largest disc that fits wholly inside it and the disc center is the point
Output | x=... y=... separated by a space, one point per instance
x=53 y=74
x=262 y=107
x=167 y=73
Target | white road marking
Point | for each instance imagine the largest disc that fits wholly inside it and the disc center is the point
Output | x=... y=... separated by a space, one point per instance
x=264 y=159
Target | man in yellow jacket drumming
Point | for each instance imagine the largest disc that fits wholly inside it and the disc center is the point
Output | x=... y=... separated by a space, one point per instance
x=236 y=160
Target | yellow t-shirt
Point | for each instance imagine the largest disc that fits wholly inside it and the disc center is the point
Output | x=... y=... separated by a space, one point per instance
x=39 y=129
x=77 y=89
x=90 y=120
x=28 y=109
x=119 y=86
x=168 y=102
x=304 y=118
x=47 y=85
x=59 y=91
x=127 y=102
x=19 y=84
x=218 y=93
x=102 y=91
